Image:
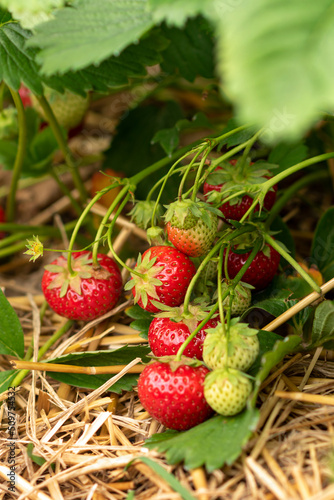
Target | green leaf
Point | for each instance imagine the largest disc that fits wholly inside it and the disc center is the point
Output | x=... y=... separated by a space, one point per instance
x=17 y=62
x=166 y=476
x=121 y=356
x=286 y=155
x=238 y=137
x=83 y=34
x=11 y=333
x=322 y=245
x=277 y=306
x=271 y=359
x=6 y=379
x=323 y=324
x=168 y=138
x=142 y=319
x=190 y=52
x=176 y=12
x=213 y=443
x=275 y=62
x=137 y=129
x=35 y=458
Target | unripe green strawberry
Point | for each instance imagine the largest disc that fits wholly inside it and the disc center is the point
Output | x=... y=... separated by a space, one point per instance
x=227 y=391
x=241 y=300
x=238 y=351
x=68 y=108
x=191 y=226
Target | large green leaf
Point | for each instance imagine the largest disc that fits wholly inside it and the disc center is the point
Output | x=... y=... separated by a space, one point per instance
x=276 y=61
x=89 y=32
x=121 y=356
x=6 y=378
x=190 y=52
x=17 y=62
x=213 y=443
x=11 y=333
x=323 y=243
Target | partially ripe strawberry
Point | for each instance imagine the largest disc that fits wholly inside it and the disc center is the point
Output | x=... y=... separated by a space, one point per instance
x=2 y=219
x=191 y=226
x=86 y=295
x=68 y=108
x=164 y=276
x=231 y=183
x=101 y=180
x=171 y=328
x=262 y=269
x=239 y=350
x=172 y=393
x=227 y=391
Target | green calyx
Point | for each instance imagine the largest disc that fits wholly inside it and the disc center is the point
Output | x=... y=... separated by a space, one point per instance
x=142 y=213
x=183 y=361
x=194 y=314
x=186 y=214
x=223 y=375
x=82 y=268
x=145 y=279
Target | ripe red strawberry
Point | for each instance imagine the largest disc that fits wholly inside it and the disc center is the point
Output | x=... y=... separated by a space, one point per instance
x=191 y=226
x=90 y=293
x=68 y=108
x=164 y=276
x=173 y=393
x=261 y=271
x=231 y=182
x=170 y=329
x=2 y=219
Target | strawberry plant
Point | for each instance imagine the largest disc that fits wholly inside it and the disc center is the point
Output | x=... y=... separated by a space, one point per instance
x=178 y=158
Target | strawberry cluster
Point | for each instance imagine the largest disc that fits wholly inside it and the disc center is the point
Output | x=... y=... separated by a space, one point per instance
x=202 y=359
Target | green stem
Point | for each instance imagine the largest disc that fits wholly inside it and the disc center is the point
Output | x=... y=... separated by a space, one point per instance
x=197 y=329
x=235 y=281
x=125 y=191
x=241 y=166
x=77 y=227
x=265 y=186
x=224 y=239
x=291 y=190
x=110 y=230
x=20 y=155
x=292 y=261
x=185 y=175
x=50 y=117
x=198 y=174
x=59 y=333
x=220 y=291
x=27 y=231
